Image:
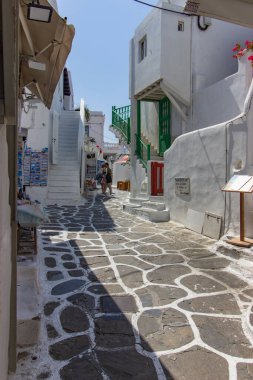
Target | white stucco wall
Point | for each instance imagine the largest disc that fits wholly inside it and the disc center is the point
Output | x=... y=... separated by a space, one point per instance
x=37 y=193
x=37 y=123
x=96 y=124
x=209 y=158
x=176 y=54
x=149 y=69
x=224 y=100
x=212 y=52
x=5 y=254
x=150 y=122
x=121 y=172
x=137 y=176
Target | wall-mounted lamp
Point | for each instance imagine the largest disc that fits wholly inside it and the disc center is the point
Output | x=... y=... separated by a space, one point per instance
x=36 y=65
x=37 y=12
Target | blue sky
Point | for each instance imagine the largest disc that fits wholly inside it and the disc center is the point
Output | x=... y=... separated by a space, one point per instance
x=99 y=59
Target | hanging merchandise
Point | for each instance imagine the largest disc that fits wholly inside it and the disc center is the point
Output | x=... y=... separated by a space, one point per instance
x=20 y=164
x=35 y=167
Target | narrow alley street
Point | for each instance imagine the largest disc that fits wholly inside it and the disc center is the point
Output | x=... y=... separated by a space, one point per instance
x=122 y=298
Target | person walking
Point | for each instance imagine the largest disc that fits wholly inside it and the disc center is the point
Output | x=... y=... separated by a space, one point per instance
x=108 y=178
x=101 y=177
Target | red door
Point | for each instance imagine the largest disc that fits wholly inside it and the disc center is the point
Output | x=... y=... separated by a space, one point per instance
x=157 y=178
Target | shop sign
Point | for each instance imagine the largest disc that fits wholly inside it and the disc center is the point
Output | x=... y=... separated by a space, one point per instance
x=182 y=186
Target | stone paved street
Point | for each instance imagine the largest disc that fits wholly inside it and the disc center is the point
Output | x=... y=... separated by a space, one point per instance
x=128 y=299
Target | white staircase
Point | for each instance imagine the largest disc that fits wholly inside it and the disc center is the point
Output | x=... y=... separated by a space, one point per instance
x=148 y=207
x=64 y=177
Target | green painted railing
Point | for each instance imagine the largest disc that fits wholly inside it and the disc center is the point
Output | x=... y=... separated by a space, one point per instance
x=142 y=151
x=121 y=121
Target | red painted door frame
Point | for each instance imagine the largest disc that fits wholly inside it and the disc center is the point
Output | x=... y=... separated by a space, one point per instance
x=157 y=178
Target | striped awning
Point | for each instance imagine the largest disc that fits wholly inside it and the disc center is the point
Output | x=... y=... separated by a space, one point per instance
x=45 y=44
x=124 y=158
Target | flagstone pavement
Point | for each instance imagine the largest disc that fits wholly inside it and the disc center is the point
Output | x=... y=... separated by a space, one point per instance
x=123 y=298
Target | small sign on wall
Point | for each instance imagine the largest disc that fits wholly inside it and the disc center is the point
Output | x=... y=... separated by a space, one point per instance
x=182 y=186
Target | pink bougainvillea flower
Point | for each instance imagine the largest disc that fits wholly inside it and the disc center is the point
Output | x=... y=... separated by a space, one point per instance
x=246 y=42
x=237 y=47
x=250 y=58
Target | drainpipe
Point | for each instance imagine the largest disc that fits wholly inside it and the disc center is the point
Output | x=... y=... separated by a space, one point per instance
x=133 y=123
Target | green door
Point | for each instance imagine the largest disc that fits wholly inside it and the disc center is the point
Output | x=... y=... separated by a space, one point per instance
x=164 y=125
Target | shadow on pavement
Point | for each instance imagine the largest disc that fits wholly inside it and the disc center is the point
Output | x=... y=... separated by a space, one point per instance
x=99 y=318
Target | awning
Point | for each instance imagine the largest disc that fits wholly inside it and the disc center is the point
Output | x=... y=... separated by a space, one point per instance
x=234 y=11
x=123 y=159
x=153 y=92
x=157 y=91
x=30 y=215
x=46 y=43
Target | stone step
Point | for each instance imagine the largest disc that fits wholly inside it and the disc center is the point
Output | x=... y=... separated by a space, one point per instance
x=147 y=213
x=63 y=174
x=64 y=169
x=66 y=188
x=62 y=177
x=68 y=128
x=64 y=166
x=136 y=201
x=67 y=155
x=143 y=195
x=67 y=146
x=65 y=196
x=68 y=136
x=156 y=158
x=154 y=205
x=69 y=161
x=156 y=198
x=61 y=181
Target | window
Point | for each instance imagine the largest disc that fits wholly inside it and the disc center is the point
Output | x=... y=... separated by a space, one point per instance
x=180 y=26
x=87 y=130
x=142 y=48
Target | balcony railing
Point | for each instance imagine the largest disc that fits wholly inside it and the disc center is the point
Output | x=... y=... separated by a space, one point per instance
x=142 y=151
x=121 y=121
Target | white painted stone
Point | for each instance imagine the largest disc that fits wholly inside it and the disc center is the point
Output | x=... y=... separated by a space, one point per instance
x=195 y=220
x=212 y=226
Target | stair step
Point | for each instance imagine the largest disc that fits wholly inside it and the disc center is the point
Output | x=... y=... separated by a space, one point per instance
x=62 y=176
x=67 y=155
x=64 y=146
x=61 y=182
x=156 y=158
x=63 y=169
x=68 y=136
x=70 y=161
x=154 y=206
x=148 y=214
x=136 y=201
x=157 y=198
x=63 y=173
x=68 y=165
x=66 y=128
x=65 y=196
x=67 y=188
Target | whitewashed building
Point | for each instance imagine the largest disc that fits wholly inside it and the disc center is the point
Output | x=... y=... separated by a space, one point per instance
x=17 y=39
x=58 y=134
x=185 y=86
